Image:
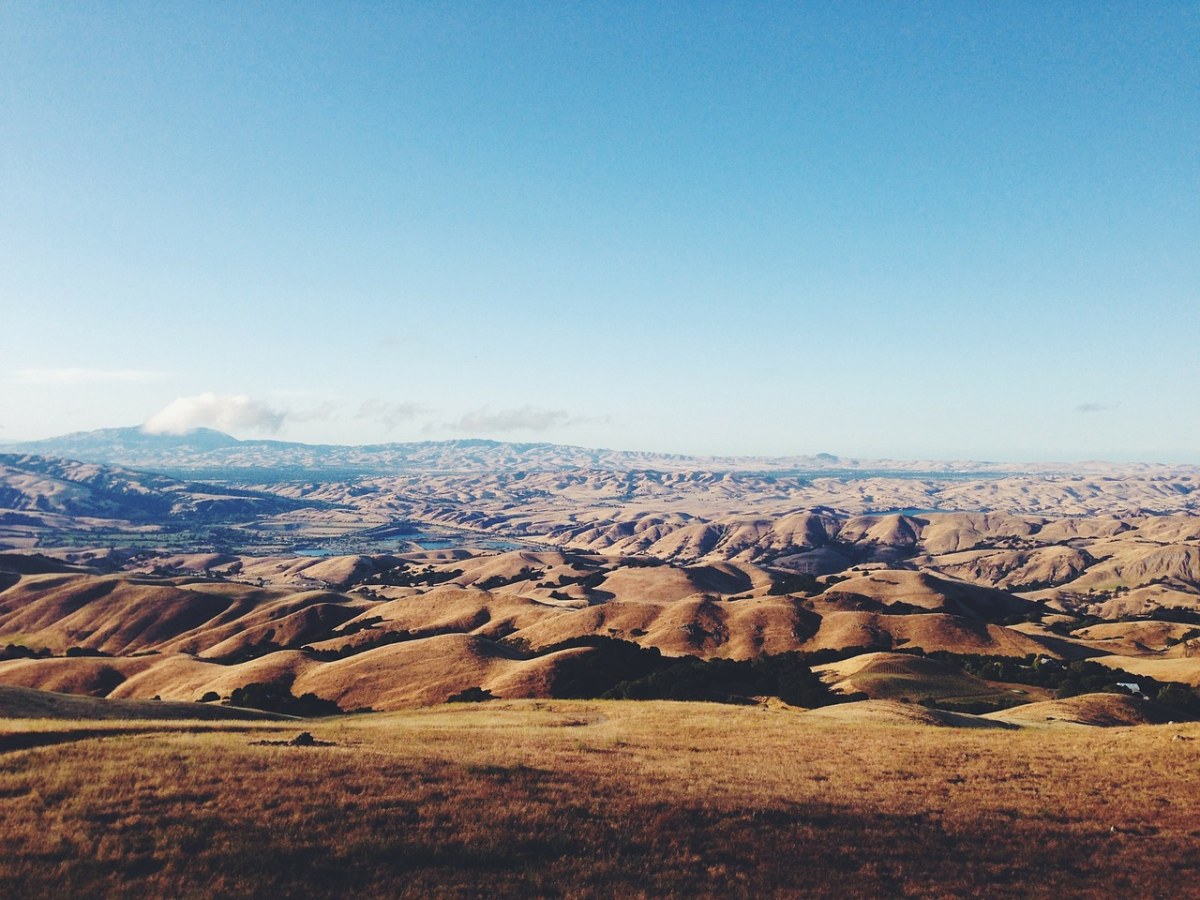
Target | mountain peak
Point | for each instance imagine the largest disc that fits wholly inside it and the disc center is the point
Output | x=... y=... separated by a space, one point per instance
x=196 y=438
x=110 y=441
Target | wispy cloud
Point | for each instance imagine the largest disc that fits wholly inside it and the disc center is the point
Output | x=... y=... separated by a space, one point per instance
x=521 y=418
x=389 y=414
x=1094 y=407
x=323 y=412
x=72 y=377
x=226 y=412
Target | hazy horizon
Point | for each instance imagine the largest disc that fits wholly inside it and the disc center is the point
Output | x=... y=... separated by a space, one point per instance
x=923 y=231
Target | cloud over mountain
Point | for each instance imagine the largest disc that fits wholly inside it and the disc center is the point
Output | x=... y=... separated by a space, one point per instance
x=225 y=412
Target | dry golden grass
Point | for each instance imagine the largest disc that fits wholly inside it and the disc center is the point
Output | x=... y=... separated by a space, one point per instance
x=1102 y=710
x=601 y=799
x=22 y=703
x=1185 y=670
x=914 y=679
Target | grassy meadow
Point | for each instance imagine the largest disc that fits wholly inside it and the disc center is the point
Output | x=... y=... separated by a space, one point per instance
x=559 y=798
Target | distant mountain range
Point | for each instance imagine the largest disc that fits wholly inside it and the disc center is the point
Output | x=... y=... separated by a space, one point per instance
x=209 y=454
x=206 y=452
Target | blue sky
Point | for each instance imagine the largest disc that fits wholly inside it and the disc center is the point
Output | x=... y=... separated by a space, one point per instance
x=912 y=230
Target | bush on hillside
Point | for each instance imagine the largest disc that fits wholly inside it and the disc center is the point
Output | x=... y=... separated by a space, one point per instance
x=277 y=697
x=616 y=669
x=471 y=695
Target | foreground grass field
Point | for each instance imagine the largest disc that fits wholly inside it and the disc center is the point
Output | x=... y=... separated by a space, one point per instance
x=595 y=799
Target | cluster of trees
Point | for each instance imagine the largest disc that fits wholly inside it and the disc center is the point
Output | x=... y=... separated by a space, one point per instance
x=620 y=670
x=1073 y=678
x=588 y=580
x=471 y=695
x=527 y=573
x=248 y=652
x=19 y=651
x=403 y=576
x=795 y=583
x=384 y=639
x=1177 y=614
x=277 y=697
x=1190 y=635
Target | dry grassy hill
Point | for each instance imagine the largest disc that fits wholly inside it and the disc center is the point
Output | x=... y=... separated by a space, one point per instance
x=891 y=712
x=25 y=703
x=899 y=676
x=406 y=631
x=1097 y=710
x=601 y=799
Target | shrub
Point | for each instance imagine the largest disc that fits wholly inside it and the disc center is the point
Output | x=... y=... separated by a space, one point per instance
x=471 y=695
x=610 y=663
x=616 y=669
x=277 y=697
x=794 y=583
x=1178 y=696
x=19 y=651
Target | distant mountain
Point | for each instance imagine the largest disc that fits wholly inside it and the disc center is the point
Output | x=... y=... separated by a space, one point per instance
x=205 y=452
x=36 y=484
x=102 y=445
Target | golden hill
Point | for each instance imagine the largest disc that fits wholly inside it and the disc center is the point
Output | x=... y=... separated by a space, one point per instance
x=1177 y=667
x=901 y=676
x=892 y=712
x=933 y=592
x=416 y=628
x=424 y=672
x=25 y=703
x=601 y=799
x=1097 y=710
x=121 y=615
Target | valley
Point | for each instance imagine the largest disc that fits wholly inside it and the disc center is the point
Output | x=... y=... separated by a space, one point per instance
x=480 y=577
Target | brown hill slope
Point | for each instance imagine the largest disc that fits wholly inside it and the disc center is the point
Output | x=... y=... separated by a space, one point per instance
x=927 y=590
x=886 y=676
x=121 y=615
x=422 y=672
x=1097 y=710
x=25 y=703
x=1185 y=670
x=891 y=712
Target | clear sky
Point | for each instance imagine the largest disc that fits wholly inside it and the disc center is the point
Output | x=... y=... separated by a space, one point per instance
x=873 y=229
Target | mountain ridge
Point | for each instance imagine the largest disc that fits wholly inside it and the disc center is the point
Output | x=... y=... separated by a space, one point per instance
x=208 y=449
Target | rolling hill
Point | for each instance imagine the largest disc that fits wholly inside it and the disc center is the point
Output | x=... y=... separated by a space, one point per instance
x=389 y=632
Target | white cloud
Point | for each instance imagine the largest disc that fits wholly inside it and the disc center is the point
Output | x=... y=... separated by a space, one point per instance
x=1094 y=407
x=522 y=418
x=72 y=377
x=225 y=412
